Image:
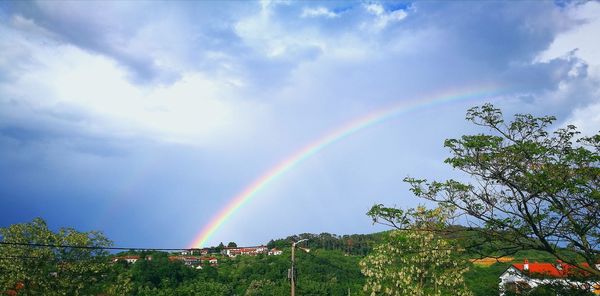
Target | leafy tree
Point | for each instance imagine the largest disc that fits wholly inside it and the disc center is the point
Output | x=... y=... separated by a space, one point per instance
x=355 y=244
x=119 y=281
x=190 y=288
x=415 y=260
x=161 y=272
x=232 y=245
x=42 y=270
x=530 y=189
x=204 y=288
x=260 y=288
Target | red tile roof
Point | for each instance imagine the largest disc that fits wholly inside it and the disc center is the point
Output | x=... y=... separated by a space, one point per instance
x=557 y=270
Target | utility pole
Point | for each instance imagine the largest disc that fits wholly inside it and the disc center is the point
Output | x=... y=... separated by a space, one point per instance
x=292 y=271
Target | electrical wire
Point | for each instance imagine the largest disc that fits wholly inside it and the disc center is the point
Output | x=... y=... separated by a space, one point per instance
x=89 y=247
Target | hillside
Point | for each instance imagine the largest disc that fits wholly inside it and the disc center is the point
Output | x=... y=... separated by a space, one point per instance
x=330 y=268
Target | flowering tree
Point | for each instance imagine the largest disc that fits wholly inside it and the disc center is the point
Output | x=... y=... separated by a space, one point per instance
x=415 y=260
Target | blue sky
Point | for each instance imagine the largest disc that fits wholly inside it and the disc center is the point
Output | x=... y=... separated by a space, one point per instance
x=143 y=119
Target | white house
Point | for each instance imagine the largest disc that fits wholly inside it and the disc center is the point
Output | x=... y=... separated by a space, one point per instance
x=232 y=252
x=522 y=277
x=187 y=260
x=194 y=251
x=211 y=260
x=128 y=259
x=275 y=252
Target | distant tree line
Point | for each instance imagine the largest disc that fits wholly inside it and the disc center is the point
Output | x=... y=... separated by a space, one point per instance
x=353 y=244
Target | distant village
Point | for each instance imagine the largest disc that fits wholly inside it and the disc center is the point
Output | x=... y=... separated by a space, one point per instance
x=197 y=258
x=517 y=277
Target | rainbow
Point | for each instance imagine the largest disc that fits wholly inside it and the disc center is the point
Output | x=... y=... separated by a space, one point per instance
x=328 y=139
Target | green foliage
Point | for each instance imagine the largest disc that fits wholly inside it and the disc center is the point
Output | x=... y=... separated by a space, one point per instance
x=329 y=268
x=354 y=244
x=261 y=288
x=483 y=280
x=160 y=272
x=218 y=248
x=320 y=272
x=331 y=271
x=190 y=288
x=49 y=270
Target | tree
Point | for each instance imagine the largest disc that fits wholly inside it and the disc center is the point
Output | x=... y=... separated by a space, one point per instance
x=415 y=260
x=232 y=245
x=530 y=189
x=189 y=288
x=220 y=247
x=261 y=287
x=160 y=271
x=43 y=270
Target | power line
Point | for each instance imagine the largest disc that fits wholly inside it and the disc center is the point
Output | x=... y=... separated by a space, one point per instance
x=89 y=247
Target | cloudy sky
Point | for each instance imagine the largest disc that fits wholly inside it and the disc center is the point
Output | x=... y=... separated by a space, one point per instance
x=144 y=119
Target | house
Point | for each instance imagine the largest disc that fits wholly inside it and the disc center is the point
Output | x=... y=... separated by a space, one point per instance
x=252 y=251
x=128 y=259
x=275 y=252
x=187 y=260
x=194 y=260
x=521 y=277
x=211 y=260
x=194 y=251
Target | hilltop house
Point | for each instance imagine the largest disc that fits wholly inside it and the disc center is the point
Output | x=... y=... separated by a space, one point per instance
x=195 y=251
x=522 y=277
x=187 y=260
x=211 y=260
x=128 y=259
x=194 y=261
x=275 y=252
x=252 y=251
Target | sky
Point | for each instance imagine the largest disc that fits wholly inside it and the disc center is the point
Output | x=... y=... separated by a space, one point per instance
x=145 y=119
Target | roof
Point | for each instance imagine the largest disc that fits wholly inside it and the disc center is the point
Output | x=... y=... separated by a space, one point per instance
x=191 y=258
x=251 y=247
x=183 y=258
x=556 y=270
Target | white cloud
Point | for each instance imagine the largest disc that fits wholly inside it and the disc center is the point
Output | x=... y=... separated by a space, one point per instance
x=577 y=43
x=577 y=40
x=587 y=119
x=273 y=40
x=318 y=12
x=382 y=17
x=375 y=8
x=196 y=109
